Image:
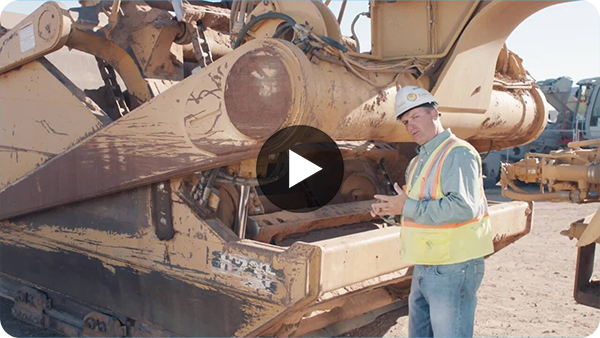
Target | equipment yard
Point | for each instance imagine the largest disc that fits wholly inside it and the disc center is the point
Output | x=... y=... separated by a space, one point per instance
x=223 y=173
x=527 y=290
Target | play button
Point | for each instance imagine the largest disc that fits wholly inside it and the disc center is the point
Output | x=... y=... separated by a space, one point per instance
x=300 y=169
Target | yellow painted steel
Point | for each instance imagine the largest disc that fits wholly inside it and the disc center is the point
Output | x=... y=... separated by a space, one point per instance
x=42 y=32
x=218 y=116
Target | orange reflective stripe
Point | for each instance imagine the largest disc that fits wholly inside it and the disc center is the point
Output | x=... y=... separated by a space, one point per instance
x=438 y=173
x=435 y=156
x=444 y=226
x=412 y=168
x=423 y=181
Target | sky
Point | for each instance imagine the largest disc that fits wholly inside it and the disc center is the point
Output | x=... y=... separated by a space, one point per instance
x=561 y=40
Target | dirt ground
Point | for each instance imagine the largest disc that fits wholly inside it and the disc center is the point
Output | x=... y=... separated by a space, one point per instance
x=526 y=291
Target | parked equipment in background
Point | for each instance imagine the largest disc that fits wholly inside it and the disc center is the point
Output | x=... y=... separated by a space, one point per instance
x=575 y=118
x=566 y=175
x=133 y=208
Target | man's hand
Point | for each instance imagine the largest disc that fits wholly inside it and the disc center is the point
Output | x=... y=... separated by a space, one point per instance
x=389 y=205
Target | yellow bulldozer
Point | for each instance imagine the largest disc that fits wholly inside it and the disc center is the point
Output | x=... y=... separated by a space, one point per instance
x=134 y=209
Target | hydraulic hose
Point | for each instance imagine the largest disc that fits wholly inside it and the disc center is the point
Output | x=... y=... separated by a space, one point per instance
x=254 y=21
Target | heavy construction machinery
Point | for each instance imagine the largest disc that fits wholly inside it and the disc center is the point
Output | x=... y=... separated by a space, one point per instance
x=567 y=170
x=578 y=115
x=123 y=212
x=568 y=174
x=575 y=120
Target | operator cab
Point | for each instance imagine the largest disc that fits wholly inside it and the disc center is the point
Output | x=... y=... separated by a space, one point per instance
x=589 y=107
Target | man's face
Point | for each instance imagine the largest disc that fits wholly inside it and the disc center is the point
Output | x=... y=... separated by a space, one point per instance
x=420 y=124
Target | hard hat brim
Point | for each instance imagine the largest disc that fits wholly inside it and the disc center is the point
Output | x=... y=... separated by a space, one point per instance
x=431 y=103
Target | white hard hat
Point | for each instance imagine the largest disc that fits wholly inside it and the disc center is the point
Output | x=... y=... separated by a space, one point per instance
x=410 y=97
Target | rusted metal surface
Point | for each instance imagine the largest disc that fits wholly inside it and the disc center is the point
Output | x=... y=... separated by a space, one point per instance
x=209 y=13
x=100 y=325
x=112 y=220
x=146 y=146
x=514 y=117
x=228 y=266
x=149 y=33
x=505 y=232
x=277 y=225
x=392 y=288
x=211 y=308
x=30 y=305
x=219 y=44
x=212 y=131
x=258 y=85
x=149 y=144
x=353 y=307
x=66 y=315
x=29 y=136
x=118 y=58
x=196 y=265
x=44 y=314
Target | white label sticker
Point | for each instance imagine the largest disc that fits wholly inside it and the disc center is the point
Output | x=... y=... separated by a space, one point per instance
x=27 y=38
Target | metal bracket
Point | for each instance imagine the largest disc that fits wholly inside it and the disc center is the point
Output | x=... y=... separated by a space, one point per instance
x=30 y=305
x=100 y=325
x=586 y=291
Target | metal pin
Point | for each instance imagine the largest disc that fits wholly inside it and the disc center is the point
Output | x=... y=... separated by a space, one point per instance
x=242 y=214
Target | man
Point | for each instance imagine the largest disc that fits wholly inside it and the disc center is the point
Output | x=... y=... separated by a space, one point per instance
x=445 y=227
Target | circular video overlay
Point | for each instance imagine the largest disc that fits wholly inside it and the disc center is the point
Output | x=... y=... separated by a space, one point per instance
x=300 y=169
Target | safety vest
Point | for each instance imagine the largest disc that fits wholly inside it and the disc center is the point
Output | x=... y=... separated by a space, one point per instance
x=445 y=243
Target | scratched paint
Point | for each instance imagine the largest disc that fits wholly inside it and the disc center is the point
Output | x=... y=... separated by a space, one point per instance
x=109 y=268
x=144 y=254
x=40 y=118
x=252 y=273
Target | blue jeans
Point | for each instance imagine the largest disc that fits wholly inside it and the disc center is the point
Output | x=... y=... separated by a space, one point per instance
x=443 y=298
